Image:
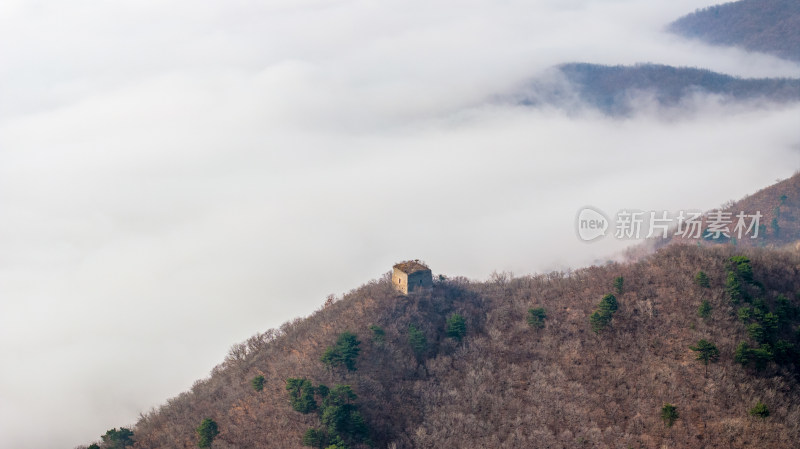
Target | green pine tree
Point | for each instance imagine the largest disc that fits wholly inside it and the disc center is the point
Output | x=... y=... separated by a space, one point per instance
x=315 y=438
x=669 y=414
x=701 y=279
x=206 y=433
x=344 y=352
x=706 y=351
x=456 y=327
x=733 y=288
x=258 y=383
x=742 y=354
x=602 y=316
x=417 y=341
x=301 y=394
x=378 y=334
x=760 y=410
x=704 y=310
x=619 y=283
x=536 y=317
x=117 y=439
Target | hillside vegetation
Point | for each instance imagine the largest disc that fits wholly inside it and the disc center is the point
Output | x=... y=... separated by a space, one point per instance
x=637 y=355
x=618 y=90
x=769 y=26
x=779 y=225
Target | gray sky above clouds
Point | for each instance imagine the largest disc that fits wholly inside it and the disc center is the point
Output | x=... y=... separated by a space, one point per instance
x=176 y=176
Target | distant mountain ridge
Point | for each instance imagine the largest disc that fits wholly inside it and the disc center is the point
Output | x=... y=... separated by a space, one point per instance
x=768 y=26
x=616 y=90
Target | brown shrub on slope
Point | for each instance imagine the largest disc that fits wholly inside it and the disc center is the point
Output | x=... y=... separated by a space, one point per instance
x=511 y=385
x=385 y=380
x=565 y=386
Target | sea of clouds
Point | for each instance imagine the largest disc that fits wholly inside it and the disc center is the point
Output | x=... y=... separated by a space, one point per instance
x=178 y=175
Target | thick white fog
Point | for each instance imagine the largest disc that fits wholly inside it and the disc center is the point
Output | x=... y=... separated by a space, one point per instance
x=176 y=176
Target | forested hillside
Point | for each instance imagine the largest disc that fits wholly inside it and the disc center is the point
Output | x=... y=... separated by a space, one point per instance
x=618 y=90
x=779 y=224
x=769 y=26
x=691 y=347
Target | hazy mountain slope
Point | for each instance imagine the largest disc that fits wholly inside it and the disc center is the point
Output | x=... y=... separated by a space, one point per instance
x=565 y=386
x=387 y=379
x=779 y=206
x=617 y=90
x=769 y=26
x=509 y=385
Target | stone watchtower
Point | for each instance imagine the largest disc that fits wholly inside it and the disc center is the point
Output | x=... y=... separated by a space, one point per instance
x=411 y=275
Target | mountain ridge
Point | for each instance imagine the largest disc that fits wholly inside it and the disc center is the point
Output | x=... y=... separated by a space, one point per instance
x=621 y=90
x=768 y=26
x=778 y=207
x=511 y=384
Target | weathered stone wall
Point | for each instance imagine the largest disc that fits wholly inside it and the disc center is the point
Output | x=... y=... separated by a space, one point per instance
x=400 y=280
x=420 y=279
